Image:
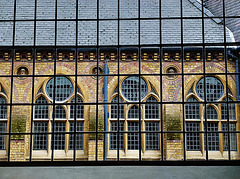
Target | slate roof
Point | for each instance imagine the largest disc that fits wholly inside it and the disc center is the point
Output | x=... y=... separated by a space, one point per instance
x=108 y=30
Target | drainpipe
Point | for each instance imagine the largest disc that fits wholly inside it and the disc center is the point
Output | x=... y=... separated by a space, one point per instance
x=105 y=92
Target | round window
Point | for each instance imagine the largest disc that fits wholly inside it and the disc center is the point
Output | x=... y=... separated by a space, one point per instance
x=64 y=88
x=214 y=89
x=130 y=88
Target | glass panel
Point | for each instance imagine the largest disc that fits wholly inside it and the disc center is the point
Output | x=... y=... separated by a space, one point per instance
x=40 y=140
x=133 y=138
x=78 y=137
x=114 y=136
x=152 y=139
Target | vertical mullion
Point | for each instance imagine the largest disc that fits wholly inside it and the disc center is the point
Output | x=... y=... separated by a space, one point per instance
x=33 y=80
x=204 y=78
x=76 y=86
x=11 y=95
x=182 y=76
x=161 y=86
x=54 y=84
x=97 y=51
x=226 y=75
x=139 y=77
x=118 y=69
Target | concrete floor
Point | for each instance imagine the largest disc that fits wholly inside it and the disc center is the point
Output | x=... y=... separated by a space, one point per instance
x=123 y=172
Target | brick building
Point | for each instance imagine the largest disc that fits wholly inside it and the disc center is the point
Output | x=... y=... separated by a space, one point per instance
x=92 y=62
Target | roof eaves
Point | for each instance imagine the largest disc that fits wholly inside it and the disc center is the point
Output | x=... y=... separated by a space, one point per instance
x=198 y=5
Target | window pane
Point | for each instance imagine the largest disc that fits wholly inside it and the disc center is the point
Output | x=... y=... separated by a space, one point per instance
x=78 y=137
x=233 y=137
x=133 y=138
x=214 y=88
x=80 y=109
x=3 y=129
x=114 y=108
x=213 y=138
x=3 y=109
x=192 y=110
x=40 y=140
x=114 y=136
x=130 y=88
x=41 y=111
x=63 y=89
x=59 y=139
x=193 y=139
x=151 y=110
x=152 y=139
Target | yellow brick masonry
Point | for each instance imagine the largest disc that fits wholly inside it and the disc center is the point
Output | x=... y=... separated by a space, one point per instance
x=22 y=91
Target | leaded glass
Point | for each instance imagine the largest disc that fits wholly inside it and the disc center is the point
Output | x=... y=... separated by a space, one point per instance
x=3 y=129
x=151 y=110
x=78 y=137
x=130 y=88
x=63 y=89
x=40 y=140
x=133 y=138
x=231 y=110
x=114 y=136
x=41 y=111
x=152 y=139
x=214 y=89
x=114 y=108
x=211 y=113
x=60 y=113
x=79 y=107
x=59 y=139
x=233 y=136
x=133 y=112
x=192 y=110
x=213 y=138
x=193 y=139
x=3 y=109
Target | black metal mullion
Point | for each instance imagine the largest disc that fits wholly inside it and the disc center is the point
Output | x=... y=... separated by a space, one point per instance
x=76 y=87
x=183 y=98
x=118 y=112
x=139 y=77
x=11 y=93
x=52 y=147
x=96 y=154
x=226 y=76
x=33 y=81
x=205 y=90
x=161 y=72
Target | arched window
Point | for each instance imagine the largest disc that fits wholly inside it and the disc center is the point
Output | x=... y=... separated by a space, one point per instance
x=114 y=108
x=79 y=108
x=192 y=110
x=130 y=88
x=231 y=110
x=211 y=113
x=3 y=123
x=79 y=124
x=133 y=112
x=41 y=111
x=63 y=88
x=151 y=110
x=214 y=89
